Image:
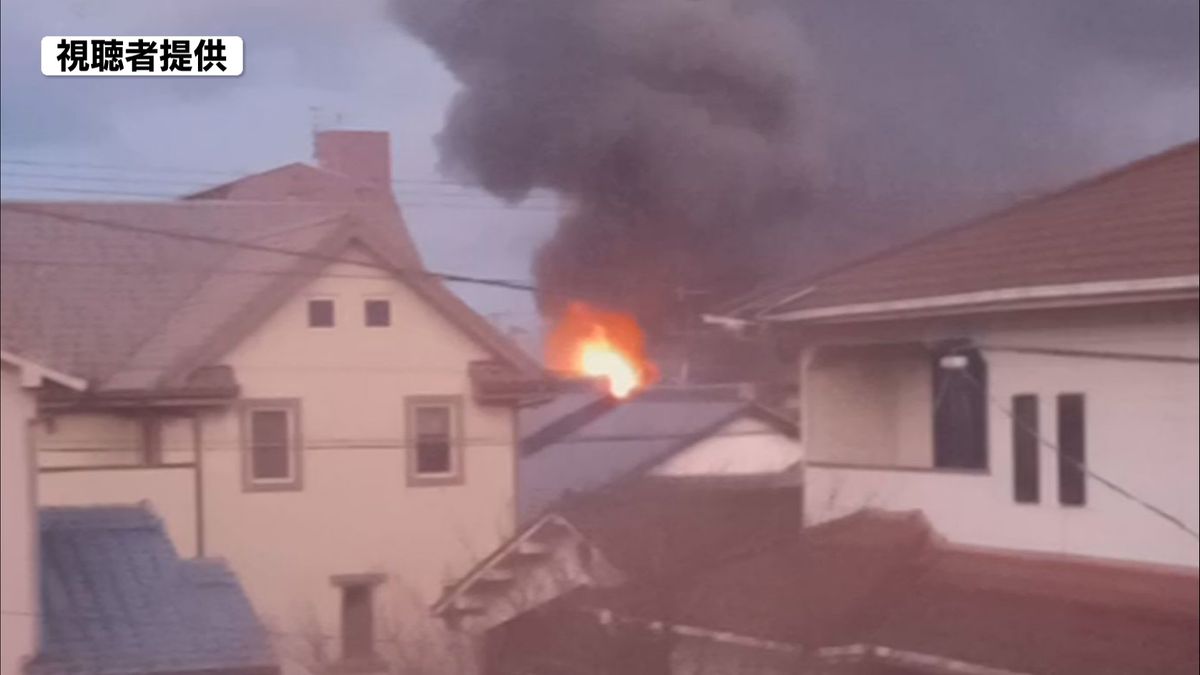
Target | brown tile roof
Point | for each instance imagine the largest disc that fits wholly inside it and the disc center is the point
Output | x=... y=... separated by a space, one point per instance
x=132 y=296
x=1136 y=222
x=885 y=579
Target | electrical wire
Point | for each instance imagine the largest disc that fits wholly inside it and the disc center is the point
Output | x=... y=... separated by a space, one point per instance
x=265 y=248
x=1082 y=467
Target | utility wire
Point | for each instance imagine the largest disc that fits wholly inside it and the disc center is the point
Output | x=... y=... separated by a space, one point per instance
x=1081 y=466
x=264 y=248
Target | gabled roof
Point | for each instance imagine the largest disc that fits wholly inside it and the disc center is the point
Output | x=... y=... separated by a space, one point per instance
x=641 y=533
x=116 y=599
x=886 y=581
x=1128 y=232
x=139 y=296
x=596 y=441
x=35 y=374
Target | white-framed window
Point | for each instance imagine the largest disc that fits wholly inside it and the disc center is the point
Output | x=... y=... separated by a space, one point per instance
x=271 y=444
x=435 y=440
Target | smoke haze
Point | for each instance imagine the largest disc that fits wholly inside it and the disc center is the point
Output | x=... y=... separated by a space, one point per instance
x=702 y=145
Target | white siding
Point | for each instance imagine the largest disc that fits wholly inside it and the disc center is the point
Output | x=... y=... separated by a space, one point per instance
x=1141 y=432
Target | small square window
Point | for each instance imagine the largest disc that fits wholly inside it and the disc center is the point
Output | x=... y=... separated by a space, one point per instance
x=378 y=312
x=320 y=313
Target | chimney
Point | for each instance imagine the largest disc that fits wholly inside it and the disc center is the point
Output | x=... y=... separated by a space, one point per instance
x=365 y=155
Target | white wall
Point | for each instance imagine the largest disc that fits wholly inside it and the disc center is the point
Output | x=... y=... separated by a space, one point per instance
x=743 y=447
x=1141 y=432
x=18 y=526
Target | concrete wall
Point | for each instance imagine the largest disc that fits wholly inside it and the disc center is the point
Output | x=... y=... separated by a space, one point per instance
x=1141 y=432
x=355 y=512
x=18 y=526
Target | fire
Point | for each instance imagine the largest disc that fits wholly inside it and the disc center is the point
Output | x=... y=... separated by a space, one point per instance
x=596 y=343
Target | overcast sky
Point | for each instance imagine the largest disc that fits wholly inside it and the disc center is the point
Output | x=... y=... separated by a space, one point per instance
x=1116 y=80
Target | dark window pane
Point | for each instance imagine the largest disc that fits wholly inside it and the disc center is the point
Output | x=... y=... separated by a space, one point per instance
x=320 y=313
x=1025 y=448
x=960 y=409
x=1071 y=454
x=378 y=312
x=358 y=623
x=433 y=439
x=269 y=444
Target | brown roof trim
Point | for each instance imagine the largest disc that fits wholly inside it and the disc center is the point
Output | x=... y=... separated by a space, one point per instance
x=753 y=300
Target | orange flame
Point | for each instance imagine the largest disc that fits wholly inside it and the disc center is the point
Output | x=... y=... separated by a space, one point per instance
x=596 y=343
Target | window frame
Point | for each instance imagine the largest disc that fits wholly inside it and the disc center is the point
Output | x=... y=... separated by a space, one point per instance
x=457 y=473
x=291 y=407
x=387 y=302
x=308 y=312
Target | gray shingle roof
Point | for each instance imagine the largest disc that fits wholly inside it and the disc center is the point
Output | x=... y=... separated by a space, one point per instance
x=129 y=297
x=117 y=599
x=83 y=297
x=611 y=441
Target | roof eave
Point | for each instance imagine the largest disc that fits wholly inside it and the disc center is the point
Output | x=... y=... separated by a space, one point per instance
x=1002 y=300
x=34 y=374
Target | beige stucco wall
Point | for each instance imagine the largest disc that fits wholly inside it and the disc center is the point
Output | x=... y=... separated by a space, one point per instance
x=355 y=512
x=870 y=405
x=1141 y=432
x=18 y=564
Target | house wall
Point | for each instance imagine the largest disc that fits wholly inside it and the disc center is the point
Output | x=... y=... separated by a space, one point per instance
x=1141 y=432
x=745 y=446
x=871 y=405
x=18 y=520
x=355 y=512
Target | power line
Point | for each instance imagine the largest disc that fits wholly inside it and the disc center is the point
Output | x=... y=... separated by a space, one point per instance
x=233 y=174
x=1081 y=466
x=426 y=188
x=264 y=248
x=379 y=444
x=461 y=204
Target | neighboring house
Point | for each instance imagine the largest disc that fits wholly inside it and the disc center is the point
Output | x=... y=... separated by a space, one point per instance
x=1027 y=380
x=619 y=492
x=20 y=381
x=116 y=598
x=582 y=440
x=270 y=366
x=882 y=593
x=648 y=533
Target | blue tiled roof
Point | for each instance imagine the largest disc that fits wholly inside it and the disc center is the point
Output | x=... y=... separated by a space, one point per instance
x=117 y=599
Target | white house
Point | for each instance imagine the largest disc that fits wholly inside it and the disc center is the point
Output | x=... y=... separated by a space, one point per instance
x=1028 y=380
x=20 y=379
x=271 y=367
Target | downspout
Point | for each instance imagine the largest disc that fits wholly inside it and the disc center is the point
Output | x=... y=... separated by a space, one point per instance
x=198 y=473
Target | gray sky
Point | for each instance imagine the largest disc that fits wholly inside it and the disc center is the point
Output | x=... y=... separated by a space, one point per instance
x=916 y=97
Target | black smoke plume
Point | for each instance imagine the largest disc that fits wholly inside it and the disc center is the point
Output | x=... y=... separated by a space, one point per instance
x=677 y=132
x=704 y=143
